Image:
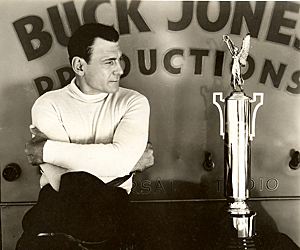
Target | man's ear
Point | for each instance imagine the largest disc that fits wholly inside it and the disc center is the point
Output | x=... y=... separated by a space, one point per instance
x=77 y=65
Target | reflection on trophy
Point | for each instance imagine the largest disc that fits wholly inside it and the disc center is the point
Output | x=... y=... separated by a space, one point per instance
x=239 y=132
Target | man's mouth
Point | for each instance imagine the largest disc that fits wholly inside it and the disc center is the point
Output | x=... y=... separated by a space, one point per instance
x=116 y=81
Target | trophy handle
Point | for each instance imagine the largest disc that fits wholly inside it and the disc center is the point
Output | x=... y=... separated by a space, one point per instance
x=252 y=134
x=215 y=94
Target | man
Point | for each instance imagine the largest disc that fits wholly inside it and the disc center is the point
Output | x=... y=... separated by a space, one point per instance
x=89 y=133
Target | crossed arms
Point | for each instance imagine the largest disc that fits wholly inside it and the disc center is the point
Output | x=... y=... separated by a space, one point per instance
x=108 y=160
x=34 y=151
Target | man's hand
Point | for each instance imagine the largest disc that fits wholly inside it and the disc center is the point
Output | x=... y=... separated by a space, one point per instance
x=34 y=147
x=146 y=161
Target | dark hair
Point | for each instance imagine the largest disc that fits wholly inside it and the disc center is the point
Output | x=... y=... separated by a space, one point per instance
x=80 y=43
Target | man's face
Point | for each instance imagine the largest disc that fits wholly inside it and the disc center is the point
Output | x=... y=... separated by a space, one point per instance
x=102 y=74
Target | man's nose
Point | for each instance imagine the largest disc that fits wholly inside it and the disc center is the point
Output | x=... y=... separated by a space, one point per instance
x=119 y=68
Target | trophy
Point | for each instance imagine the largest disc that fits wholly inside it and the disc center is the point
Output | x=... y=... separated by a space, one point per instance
x=238 y=134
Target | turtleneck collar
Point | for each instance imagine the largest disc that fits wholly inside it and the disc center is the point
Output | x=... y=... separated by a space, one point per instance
x=84 y=97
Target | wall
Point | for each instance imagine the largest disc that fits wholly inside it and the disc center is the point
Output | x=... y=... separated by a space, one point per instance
x=177 y=59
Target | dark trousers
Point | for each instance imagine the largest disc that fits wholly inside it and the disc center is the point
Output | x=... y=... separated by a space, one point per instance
x=84 y=208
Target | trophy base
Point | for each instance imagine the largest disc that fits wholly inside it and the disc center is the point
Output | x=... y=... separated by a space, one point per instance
x=236 y=228
x=241 y=243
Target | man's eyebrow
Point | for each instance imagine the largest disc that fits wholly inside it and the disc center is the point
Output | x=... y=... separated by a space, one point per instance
x=112 y=58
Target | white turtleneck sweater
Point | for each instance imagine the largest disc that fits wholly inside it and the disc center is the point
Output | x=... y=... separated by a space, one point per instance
x=103 y=134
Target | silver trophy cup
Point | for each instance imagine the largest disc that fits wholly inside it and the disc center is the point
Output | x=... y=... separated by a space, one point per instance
x=238 y=131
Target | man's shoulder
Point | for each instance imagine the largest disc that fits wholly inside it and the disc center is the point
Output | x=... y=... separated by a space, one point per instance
x=53 y=95
x=129 y=93
x=129 y=97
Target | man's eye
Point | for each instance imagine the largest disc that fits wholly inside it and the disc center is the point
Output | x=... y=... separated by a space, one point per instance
x=109 y=62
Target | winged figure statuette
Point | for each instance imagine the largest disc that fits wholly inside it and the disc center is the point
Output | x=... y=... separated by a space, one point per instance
x=239 y=59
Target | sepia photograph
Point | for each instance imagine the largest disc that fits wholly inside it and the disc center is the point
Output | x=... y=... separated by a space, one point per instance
x=149 y=125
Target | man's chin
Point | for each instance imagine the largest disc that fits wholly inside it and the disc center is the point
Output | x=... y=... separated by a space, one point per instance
x=114 y=89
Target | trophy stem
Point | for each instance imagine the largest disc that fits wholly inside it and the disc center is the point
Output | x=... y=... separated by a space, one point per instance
x=237 y=227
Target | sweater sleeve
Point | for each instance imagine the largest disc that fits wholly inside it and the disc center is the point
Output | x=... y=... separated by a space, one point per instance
x=107 y=160
x=47 y=120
